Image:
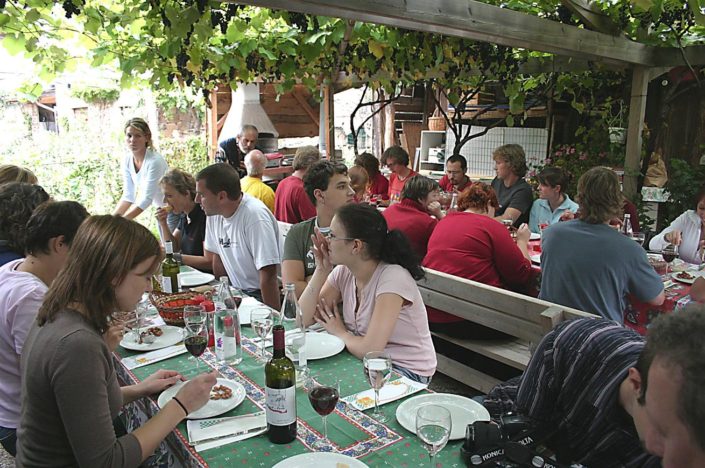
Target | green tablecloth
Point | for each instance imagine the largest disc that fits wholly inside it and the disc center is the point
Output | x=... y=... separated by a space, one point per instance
x=353 y=432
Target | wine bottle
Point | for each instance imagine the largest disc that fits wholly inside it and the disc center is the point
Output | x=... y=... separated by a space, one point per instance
x=170 y=270
x=280 y=392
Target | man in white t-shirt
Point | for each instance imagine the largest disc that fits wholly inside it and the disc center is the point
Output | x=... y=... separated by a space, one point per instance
x=242 y=235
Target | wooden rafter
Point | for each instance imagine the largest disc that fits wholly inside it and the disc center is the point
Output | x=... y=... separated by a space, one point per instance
x=305 y=106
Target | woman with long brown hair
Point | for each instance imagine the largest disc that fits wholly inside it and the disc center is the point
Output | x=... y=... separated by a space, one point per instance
x=70 y=393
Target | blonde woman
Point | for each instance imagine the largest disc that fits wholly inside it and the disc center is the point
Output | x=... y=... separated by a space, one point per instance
x=141 y=170
x=11 y=173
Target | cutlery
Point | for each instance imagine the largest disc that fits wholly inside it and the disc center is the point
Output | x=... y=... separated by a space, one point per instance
x=252 y=431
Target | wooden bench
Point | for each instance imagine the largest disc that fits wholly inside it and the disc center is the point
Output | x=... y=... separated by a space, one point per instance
x=525 y=318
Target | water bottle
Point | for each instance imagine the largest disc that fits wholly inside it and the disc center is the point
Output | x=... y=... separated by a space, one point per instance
x=453 y=202
x=228 y=343
x=290 y=307
x=627 y=226
x=295 y=340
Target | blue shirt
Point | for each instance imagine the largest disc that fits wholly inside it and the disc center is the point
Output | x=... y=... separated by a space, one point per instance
x=541 y=212
x=7 y=254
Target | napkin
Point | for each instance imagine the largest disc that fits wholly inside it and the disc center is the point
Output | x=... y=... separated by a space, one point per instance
x=145 y=359
x=392 y=391
x=205 y=434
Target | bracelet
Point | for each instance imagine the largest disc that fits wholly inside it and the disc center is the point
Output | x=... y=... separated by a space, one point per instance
x=178 y=257
x=181 y=405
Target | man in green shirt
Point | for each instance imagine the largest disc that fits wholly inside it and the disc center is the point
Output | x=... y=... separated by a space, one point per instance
x=328 y=186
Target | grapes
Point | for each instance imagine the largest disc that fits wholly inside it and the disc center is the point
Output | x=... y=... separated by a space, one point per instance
x=69 y=7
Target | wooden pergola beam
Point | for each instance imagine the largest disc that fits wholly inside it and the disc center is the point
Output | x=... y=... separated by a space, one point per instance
x=592 y=16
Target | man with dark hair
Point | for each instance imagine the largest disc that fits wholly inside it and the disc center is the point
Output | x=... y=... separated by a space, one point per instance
x=242 y=236
x=419 y=200
x=455 y=178
x=513 y=192
x=291 y=204
x=397 y=159
x=17 y=202
x=587 y=264
x=606 y=394
x=23 y=284
x=233 y=150
x=328 y=186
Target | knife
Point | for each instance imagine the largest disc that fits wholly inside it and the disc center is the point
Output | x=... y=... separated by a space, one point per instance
x=252 y=431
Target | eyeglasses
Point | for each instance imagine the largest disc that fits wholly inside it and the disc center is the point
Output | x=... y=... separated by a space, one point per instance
x=332 y=237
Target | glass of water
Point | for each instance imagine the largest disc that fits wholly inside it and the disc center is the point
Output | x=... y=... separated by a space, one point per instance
x=295 y=349
x=378 y=368
x=433 y=426
x=262 y=322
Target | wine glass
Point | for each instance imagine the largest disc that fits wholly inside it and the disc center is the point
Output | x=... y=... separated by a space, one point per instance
x=262 y=322
x=669 y=253
x=196 y=341
x=194 y=317
x=638 y=237
x=323 y=396
x=433 y=426
x=378 y=368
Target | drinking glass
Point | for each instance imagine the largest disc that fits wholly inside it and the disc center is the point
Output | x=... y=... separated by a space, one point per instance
x=638 y=237
x=433 y=426
x=378 y=368
x=196 y=341
x=669 y=253
x=262 y=322
x=195 y=318
x=323 y=395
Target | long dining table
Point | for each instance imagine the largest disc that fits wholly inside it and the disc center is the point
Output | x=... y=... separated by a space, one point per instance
x=353 y=432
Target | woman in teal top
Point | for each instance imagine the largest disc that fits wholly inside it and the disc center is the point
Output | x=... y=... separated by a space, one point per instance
x=553 y=204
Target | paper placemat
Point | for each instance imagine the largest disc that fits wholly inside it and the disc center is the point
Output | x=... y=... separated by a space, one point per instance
x=145 y=359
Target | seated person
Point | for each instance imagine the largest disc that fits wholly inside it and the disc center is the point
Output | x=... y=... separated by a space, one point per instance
x=397 y=160
x=553 y=202
x=373 y=272
x=328 y=186
x=588 y=265
x=12 y=173
x=378 y=185
x=179 y=189
x=687 y=231
x=469 y=243
x=514 y=194
x=233 y=150
x=359 y=180
x=611 y=398
x=70 y=391
x=419 y=200
x=23 y=284
x=242 y=236
x=291 y=204
x=256 y=162
x=455 y=178
x=17 y=202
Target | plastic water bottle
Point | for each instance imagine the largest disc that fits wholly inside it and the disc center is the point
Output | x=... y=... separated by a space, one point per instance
x=228 y=338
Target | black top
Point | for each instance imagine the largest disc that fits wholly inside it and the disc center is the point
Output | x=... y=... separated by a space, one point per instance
x=193 y=232
x=232 y=155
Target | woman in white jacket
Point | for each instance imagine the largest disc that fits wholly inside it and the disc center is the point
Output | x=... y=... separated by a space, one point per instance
x=686 y=231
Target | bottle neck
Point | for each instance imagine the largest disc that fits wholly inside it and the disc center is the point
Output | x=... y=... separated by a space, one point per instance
x=168 y=249
x=279 y=343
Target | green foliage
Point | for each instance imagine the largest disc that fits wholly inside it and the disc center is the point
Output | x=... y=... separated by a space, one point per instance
x=96 y=95
x=179 y=99
x=189 y=154
x=683 y=183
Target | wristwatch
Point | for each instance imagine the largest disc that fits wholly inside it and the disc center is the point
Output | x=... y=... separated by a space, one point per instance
x=179 y=258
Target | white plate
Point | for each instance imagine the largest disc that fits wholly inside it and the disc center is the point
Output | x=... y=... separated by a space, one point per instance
x=246 y=306
x=171 y=336
x=320 y=345
x=675 y=274
x=463 y=411
x=213 y=407
x=188 y=279
x=320 y=460
x=535 y=236
x=536 y=258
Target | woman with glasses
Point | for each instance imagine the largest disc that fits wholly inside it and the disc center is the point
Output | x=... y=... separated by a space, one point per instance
x=373 y=272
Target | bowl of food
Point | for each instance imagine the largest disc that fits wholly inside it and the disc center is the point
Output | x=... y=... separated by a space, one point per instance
x=171 y=306
x=658 y=264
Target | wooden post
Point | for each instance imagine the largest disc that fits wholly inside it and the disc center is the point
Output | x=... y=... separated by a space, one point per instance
x=390 y=131
x=212 y=124
x=637 y=109
x=326 y=127
x=378 y=130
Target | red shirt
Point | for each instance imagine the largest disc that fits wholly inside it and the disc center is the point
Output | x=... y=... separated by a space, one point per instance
x=396 y=185
x=379 y=185
x=478 y=248
x=291 y=204
x=447 y=186
x=411 y=219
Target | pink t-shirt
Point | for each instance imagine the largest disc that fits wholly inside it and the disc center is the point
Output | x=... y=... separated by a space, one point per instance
x=410 y=344
x=21 y=295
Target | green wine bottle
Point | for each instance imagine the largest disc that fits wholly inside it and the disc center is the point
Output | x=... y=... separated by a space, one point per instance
x=170 y=270
x=280 y=392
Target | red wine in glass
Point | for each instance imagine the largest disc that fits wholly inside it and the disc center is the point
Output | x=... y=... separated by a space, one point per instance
x=323 y=399
x=196 y=344
x=668 y=256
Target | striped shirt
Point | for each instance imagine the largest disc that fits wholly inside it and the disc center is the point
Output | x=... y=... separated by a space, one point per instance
x=572 y=385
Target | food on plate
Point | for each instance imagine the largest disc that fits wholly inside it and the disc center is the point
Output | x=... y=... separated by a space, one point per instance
x=685 y=275
x=148 y=336
x=156 y=331
x=221 y=392
x=342 y=465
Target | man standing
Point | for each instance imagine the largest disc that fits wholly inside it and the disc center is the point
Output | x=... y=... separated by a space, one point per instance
x=328 y=186
x=233 y=150
x=291 y=204
x=397 y=159
x=608 y=396
x=256 y=162
x=455 y=178
x=242 y=236
x=589 y=265
x=513 y=192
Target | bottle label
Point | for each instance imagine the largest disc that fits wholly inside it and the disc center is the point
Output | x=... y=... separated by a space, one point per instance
x=281 y=405
x=166 y=285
